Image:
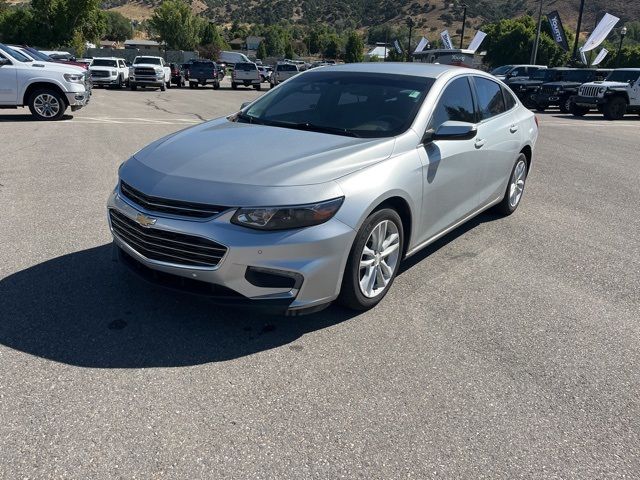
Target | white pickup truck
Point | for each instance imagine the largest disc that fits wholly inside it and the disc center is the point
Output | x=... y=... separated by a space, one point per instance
x=48 y=89
x=109 y=71
x=149 y=72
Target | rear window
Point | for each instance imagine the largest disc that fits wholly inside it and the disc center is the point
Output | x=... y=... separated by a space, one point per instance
x=98 y=62
x=203 y=63
x=147 y=60
x=490 y=99
x=287 y=68
x=246 y=67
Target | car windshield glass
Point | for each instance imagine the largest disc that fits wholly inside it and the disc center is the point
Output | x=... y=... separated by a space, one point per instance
x=247 y=67
x=100 y=62
x=38 y=55
x=147 y=60
x=579 y=75
x=14 y=53
x=539 y=75
x=624 y=76
x=501 y=70
x=370 y=105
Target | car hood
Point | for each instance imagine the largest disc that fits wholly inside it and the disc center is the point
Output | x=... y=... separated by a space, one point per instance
x=526 y=82
x=221 y=155
x=148 y=65
x=55 y=67
x=563 y=84
x=607 y=84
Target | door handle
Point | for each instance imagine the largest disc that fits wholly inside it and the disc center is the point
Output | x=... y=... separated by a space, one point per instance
x=479 y=143
x=514 y=128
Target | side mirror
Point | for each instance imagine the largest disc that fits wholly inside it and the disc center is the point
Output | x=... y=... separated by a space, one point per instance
x=4 y=61
x=451 y=130
x=244 y=105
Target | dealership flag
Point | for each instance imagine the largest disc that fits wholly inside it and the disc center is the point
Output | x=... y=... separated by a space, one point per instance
x=423 y=43
x=446 y=40
x=477 y=40
x=600 y=33
x=583 y=57
x=557 y=30
x=398 y=47
x=603 y=53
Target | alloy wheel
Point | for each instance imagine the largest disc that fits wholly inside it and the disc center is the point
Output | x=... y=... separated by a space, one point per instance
x=379 y=259
x=46 y=105
x=516 y=184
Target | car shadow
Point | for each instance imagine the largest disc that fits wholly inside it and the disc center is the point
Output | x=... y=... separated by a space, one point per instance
x=594 y=116
x=27 y=117
x=84 y=309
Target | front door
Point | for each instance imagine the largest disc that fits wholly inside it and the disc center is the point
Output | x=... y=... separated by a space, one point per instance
x=8 y=83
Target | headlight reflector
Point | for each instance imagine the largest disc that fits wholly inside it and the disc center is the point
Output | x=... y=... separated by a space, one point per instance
x=74 y=77
x=602 y=89
x=288 y=217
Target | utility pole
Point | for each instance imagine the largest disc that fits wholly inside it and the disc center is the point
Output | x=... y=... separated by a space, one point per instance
x=464 y=21
x=623 y=32
x=575 y=44
x=534 y=51
x=410 y=24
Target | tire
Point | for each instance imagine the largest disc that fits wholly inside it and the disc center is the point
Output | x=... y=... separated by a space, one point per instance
x=565 y=106
x=47 y=104
x=615 y=108
x=163 y=87
x=234 y=86
x=193 y=85
x=540 y=108
x=578 y=111
x=216 y=85
x=515 y=187
x=355 y=296
x=119 y=84
x=168 y=84
x=133 y=87
x=258 y=87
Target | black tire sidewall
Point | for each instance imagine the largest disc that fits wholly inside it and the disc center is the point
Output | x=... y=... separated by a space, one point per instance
x=63 y=104
x=350 y=295
x=504 y=207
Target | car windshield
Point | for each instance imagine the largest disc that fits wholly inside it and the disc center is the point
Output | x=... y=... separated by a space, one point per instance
x=102 y=62
x=38 y=55
x=15 y=54
x=582 y=76
x=368 y=105
x=628 y=76
x=501 y=70
x=147 y=60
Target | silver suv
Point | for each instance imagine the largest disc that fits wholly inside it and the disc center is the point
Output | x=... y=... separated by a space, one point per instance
x=349 y=170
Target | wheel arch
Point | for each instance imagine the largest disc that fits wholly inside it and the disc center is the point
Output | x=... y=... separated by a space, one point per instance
x=528 y=153
x=400 y=204
x=42 y=85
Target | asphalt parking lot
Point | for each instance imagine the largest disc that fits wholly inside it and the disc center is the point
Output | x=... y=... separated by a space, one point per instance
x=509 y=349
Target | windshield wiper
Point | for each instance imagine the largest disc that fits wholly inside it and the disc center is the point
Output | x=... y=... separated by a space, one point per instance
x=311 y=127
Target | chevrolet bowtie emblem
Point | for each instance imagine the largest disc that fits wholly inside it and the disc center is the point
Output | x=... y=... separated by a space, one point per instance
x=145 y=220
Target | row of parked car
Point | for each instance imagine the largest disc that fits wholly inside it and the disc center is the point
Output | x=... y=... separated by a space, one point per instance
x=613 y=92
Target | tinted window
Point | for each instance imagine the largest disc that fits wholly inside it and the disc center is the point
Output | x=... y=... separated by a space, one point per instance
x=147 y=60
x=357 y=104
x=582 y=76
x=501 y=70
x=245 y=67
x=509 y=101
x=456 y=103
x=99 y=62
x=287 y=68
x=623 y=76
x=490 y=100
x=14 y=53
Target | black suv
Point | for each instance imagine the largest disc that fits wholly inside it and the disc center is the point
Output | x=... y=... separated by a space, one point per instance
x=525 y=89
x=559 y=92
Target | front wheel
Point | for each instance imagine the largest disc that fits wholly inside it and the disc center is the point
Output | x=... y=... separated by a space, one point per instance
x=258 y=87
x=163 y=87
x=615 y=108
x=234 y=86
x=515 y=187
x=47 y=104
x=565 y=106
x=374 y=260
x=133 y=87
x=577 y=110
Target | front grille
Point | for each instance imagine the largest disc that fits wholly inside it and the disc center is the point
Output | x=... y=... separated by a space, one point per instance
x=589 y=91
x=165 y=205
x=145 y=71
x=549 y=90
x=99 y=73
x=165 y=246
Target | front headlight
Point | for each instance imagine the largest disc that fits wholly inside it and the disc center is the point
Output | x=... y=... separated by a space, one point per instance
x=602 y=89
x=289 y=217
x=113 y=72
x=74 y=77
x=558 y=89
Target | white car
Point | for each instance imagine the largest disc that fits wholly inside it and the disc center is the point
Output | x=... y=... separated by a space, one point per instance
x=109 y=71
x=48 y=89
x=618 y=95
x=148 y=71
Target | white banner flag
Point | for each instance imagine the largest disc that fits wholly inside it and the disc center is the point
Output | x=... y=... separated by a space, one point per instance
x=600 y=33
x=603 y=53
x=423 y=43
x=446 y=40
x=398 y=47
x=477 y=40
x=583 y=57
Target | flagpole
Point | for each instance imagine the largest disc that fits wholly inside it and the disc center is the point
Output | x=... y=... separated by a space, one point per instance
x=534 y=51
x=575 y=44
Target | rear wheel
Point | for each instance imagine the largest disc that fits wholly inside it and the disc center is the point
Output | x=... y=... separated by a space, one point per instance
x=258 y=87
x=374 y=260
x=47 y=104
x=615 y=108
x=515 y=187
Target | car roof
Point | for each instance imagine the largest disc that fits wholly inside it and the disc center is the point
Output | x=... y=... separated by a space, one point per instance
x=430 y=70
x=627 y=69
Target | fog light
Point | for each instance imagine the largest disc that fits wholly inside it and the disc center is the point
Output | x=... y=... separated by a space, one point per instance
x=269 y=278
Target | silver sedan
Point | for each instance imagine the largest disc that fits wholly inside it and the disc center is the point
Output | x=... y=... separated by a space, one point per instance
x=320 y=188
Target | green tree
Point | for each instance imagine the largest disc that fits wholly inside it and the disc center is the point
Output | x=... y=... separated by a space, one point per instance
x=174 y=23
x=288 y=50
x=118 y=27
x=332 y=48
x=354 y=48
x=262 y=51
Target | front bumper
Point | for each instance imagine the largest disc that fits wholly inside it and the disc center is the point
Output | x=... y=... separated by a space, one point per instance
x=138 y=80
x=548 y=99
x=591 y=102
x=317 y=255
x=77 y=100
x=104 y=80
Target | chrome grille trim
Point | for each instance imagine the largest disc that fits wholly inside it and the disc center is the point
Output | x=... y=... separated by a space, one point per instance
x=145 y=71
x=549 y=90
x=589 y=91
x=165 y=246
x=165 y=205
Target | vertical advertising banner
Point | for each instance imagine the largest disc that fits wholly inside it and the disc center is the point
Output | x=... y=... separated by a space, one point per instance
x=446 y=40
x=477 y=40
x=423 y=43
x=397 y=46
x=603 y=53
x=600 y=33
x=557 y=30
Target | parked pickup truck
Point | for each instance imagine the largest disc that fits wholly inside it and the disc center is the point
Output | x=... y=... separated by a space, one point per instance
x=202 y=72
x=48 y=89
x=149 y=72
x=246 y=74
x=109 y=71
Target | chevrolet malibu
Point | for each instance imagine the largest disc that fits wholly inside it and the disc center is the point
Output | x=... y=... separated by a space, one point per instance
x=319 y=189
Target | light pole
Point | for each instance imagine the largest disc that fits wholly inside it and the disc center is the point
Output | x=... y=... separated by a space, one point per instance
x=575 y=44
x=410 y=24
x=623 y=32
x=464 y=20
x=534 y=51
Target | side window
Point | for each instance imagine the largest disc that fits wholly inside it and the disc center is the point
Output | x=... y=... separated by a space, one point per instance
x=509 y=101
x=456 y=103
x=490 y=99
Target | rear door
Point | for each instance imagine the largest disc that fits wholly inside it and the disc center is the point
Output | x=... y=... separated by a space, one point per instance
x=8 y=82
x=499 y=136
